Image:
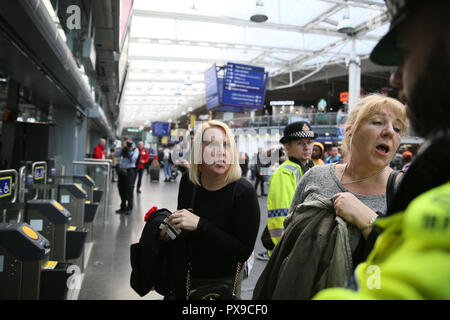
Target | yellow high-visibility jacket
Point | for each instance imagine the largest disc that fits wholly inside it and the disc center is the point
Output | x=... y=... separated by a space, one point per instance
x=282 y=185
x=411 y=257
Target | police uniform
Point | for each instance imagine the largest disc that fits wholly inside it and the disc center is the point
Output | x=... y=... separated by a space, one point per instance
x=284 y=181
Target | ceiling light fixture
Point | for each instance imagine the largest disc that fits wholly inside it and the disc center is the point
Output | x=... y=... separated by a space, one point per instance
x=259 y=14
x=188 y=81
x=345 y=25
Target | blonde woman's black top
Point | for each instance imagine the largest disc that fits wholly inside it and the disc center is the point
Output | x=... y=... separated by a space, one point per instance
x=227 y=229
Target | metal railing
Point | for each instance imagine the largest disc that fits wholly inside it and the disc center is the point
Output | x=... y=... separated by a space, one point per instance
x=319 y=118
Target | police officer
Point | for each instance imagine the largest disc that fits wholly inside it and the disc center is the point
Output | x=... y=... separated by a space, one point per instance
x=127 y=171
x=410 y=258
x=298 y=139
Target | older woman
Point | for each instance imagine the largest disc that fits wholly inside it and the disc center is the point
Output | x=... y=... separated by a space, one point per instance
x=225 y=215
x=358 y=186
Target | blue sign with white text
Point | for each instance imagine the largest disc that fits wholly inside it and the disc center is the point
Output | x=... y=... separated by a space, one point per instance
x=224 y=108
x=244 y=86
x=161 y=129
x=5 y=186
x=212 y=88
x=39 y=173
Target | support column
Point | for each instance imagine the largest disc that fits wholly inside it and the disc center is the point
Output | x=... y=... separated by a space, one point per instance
x=354 y=77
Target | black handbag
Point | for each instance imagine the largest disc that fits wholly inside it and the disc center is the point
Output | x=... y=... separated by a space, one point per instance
x=213 y=291
x=392 y=185
x=266 y=239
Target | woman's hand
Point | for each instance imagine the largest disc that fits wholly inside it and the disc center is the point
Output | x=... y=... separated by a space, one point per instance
x=183 y=219
x=352 y=210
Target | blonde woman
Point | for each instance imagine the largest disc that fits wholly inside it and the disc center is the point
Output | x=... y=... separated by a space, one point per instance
x=224 y=219
x=372 y=136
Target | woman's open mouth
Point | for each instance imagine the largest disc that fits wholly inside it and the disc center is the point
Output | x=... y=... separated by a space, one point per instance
x=383 y=149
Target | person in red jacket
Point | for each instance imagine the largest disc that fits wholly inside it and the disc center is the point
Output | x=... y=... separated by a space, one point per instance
x=99 y=150
x=142 y=159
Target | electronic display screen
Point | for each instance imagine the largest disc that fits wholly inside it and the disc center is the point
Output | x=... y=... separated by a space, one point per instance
x=244 y=86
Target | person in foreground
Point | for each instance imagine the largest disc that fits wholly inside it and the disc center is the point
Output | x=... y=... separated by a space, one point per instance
x=411 y=255
x=217 y=208
x=372 y=136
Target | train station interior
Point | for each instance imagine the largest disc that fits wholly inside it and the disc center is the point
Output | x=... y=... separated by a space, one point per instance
x=75 y=73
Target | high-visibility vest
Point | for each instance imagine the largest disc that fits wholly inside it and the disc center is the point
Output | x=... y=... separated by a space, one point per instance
x=282 y=185
x=411 y=256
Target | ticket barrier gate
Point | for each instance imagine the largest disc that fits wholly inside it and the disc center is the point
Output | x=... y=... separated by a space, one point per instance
x=25 y=272
x=23 y=254
x=51 y=220
x=75 y=233
x=97 y=195
x=94 y=194
x=73 y=198
x=91 y=206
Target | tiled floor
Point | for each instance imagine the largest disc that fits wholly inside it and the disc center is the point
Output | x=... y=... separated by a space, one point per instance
x=107 y=274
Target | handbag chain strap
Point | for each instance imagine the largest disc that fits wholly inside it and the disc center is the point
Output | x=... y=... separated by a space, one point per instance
x=188 y=281
x=238 y=269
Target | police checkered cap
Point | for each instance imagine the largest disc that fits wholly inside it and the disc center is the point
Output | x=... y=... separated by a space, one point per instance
x=297 y=130
x=301 y=135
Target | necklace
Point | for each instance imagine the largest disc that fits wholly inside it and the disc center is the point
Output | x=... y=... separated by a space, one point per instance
x=358 y=180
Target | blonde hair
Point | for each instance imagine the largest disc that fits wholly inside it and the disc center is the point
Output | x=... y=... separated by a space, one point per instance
x=234 y=172
x=364 y=109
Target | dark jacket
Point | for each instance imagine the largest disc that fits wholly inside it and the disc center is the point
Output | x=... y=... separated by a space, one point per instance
x=152 y=260
x=313 y=253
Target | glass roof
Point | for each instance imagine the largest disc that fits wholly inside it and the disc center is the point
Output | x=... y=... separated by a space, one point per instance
x=173 y=42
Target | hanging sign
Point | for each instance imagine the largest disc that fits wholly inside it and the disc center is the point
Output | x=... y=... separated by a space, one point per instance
x=343 y=97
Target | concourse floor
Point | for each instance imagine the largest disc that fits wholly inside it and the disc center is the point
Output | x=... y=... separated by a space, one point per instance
x=108 y=269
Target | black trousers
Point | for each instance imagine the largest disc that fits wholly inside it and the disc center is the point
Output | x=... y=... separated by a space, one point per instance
x=259 y=179
x=126 y=187
x=139 y=177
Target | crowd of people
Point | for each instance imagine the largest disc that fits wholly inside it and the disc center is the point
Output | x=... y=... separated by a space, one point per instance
x=342 y=223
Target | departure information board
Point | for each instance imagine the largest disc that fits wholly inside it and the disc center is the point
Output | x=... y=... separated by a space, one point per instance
x=244 y=86
x=212 y=88
x=161 y=129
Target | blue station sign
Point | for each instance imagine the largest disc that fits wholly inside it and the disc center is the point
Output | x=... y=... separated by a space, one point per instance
x=244 y=86
x=241 y=88
x=39 y=173
x=161 y=129
x=212 y=88
x=5 y=186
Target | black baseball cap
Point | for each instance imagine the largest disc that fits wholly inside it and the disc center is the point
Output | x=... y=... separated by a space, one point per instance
x=386 y=52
